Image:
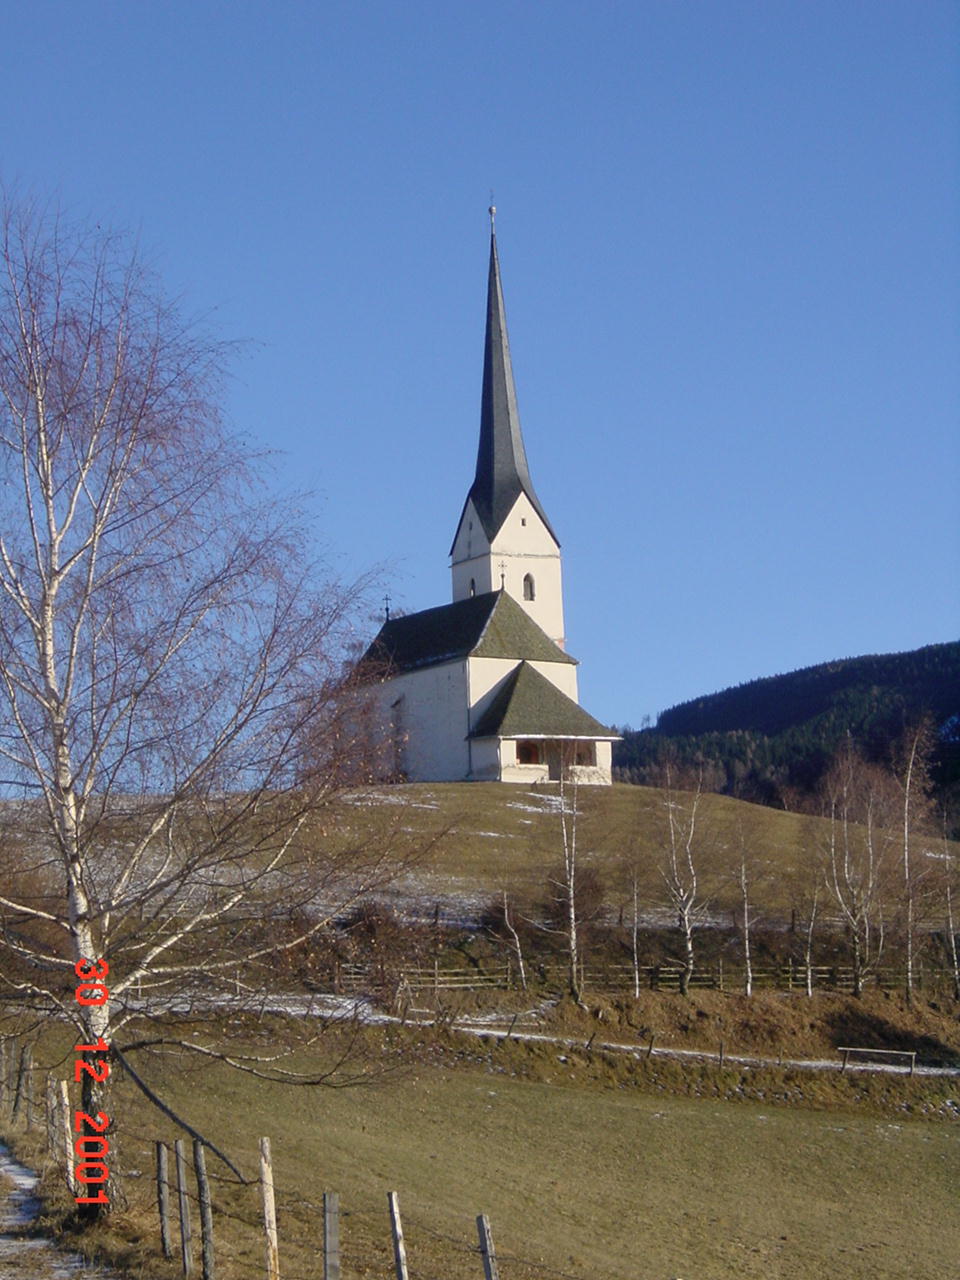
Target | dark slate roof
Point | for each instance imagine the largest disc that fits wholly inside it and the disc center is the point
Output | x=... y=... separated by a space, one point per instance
x=502 y=470
x=530 y=706
x=492 y=625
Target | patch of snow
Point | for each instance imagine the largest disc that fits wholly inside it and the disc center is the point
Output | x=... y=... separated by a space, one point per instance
x=369 y=798
x=18 y=1208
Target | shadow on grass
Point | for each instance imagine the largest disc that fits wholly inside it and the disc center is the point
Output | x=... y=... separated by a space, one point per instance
x=859 y=1028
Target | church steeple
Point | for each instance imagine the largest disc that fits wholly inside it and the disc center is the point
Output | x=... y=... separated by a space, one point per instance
x=504 y=540
x=502 y=471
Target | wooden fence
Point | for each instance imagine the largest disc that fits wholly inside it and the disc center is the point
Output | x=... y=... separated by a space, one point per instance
x=185 y=1205
x=623 y=979
x=329 y=1223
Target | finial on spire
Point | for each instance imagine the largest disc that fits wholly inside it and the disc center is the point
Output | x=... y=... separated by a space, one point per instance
x=493 y=214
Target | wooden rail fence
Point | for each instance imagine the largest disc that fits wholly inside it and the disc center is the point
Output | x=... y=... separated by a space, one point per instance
x=619 y=978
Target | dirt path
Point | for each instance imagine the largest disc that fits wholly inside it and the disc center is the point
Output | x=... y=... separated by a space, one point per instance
x=26 y=1257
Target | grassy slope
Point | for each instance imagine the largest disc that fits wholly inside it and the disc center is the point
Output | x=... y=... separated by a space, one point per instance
x=590 y=1182
x=580 y=1171
x=498 y=836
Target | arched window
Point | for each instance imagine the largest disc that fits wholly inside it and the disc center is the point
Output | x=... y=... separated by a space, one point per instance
x=473 y=586
x=529 y=590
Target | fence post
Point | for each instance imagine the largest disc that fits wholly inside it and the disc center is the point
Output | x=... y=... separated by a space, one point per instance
x=51 y=1113
x=486 y=1249
x=21 y=1069
x=186 y=1235
x=269 y=1210
x=163 y=1200
x=11 y=1047
x=206 y=1212
x=22 y=1075
x=721 y=1055
x=331 y=1236
x=396 y=1228
x=65 y=1130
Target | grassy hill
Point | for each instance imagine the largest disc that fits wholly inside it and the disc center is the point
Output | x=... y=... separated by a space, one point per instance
x=585 y=1167
x=484 y=841
x=588 y=1163
x=494 y=837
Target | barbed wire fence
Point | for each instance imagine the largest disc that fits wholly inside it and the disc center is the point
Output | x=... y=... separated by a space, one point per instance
x=186 y=1208
x=187 y=1211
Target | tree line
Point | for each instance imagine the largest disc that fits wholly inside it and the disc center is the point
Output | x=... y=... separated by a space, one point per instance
x=876 y=882
x=773 y=741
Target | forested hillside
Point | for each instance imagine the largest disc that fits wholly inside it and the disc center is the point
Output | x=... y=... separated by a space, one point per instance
x=772 y=740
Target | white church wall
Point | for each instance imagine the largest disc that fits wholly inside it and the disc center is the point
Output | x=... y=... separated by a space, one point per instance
x=485 y=759
x=513 y=771
x=471 y=566
x=599 y=774
x=523 y=549
x=426 y=714
x=561 y=674
x=484 y=678
x=523 y=552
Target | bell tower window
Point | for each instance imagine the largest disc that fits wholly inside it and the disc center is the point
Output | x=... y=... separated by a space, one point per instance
x=529 y=589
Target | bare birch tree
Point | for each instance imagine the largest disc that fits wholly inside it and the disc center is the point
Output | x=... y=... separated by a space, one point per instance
x=680 y=869
x=951 y=934
x=813 y=909
x=743 y=881
x=511 y=929
x=635 y=930
x=805 y=883
x=857 y=856
x=567 y=886
x=912 y=773
x=173 y=719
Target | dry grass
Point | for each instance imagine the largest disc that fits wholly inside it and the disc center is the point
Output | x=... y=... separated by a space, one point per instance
x=509 y=837
x=587 y=1164
x=498 y=837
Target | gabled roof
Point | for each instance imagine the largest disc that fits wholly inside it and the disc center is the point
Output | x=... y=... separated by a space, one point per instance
x=492 y=625
x=530 y=706
x=502 y=471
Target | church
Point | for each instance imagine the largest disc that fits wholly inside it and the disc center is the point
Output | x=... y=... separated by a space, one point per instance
x=483 y=689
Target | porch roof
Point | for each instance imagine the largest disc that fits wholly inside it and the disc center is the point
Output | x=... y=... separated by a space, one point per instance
x=528 y=705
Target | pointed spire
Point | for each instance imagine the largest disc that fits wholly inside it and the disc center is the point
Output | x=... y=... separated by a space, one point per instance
x=502 y=471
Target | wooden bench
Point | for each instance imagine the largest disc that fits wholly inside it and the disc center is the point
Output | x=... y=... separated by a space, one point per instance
x=907 y=1057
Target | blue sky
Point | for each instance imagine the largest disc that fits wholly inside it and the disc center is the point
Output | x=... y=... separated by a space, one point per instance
x=729 y=241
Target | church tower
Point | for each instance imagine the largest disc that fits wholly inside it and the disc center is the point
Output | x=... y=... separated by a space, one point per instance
x=504 y=539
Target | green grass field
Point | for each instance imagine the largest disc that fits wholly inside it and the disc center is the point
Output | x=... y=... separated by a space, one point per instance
x=600 y=1180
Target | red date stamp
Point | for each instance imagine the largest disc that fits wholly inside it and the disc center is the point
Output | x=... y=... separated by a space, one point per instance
x=92 y=1148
